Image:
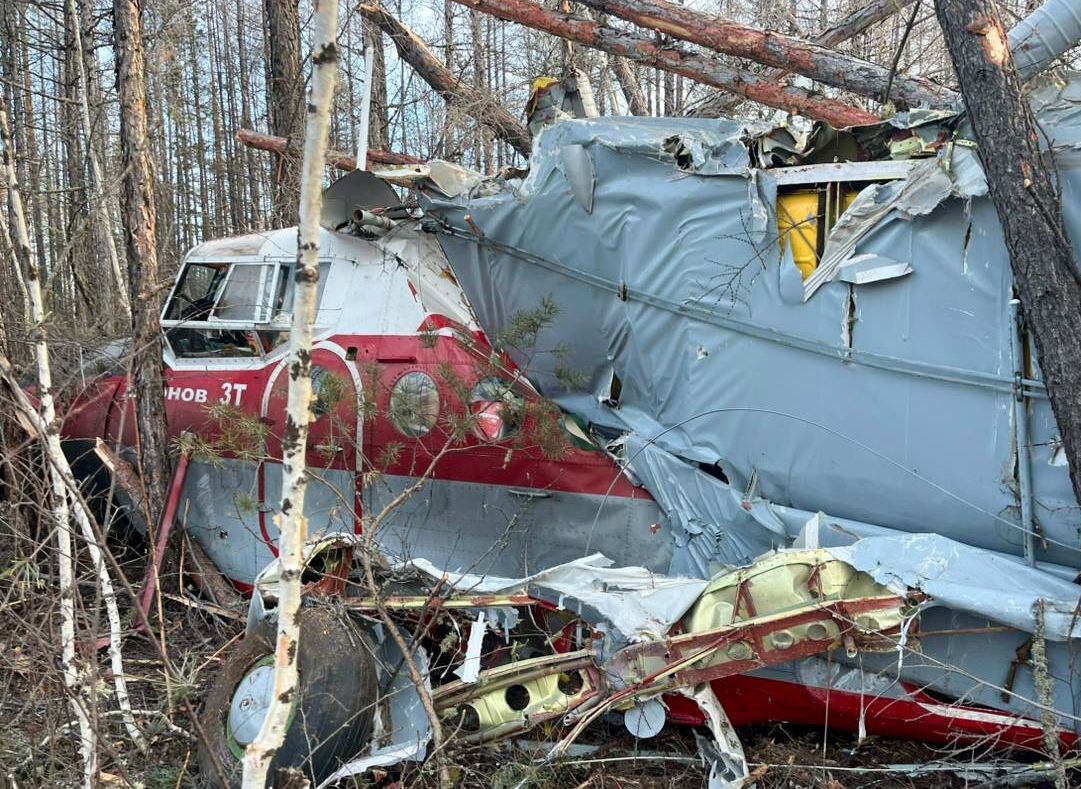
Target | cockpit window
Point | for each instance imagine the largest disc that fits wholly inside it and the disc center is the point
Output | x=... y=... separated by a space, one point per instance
x=231 y=310
x=227 y=310
x=246 y=296
x=194 y=297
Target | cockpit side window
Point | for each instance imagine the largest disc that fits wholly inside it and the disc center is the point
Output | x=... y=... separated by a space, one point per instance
x=197 y=291
x=246 y=296
x=227 y=310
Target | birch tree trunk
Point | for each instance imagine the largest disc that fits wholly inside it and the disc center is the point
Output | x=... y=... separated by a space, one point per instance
x=1023 y=189
x=61 y=514
x=140 y=232
x=291 y=522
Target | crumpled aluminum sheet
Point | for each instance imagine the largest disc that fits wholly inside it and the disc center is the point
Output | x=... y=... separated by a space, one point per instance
x=961 y=577
x=887 y=403
x=639 y=604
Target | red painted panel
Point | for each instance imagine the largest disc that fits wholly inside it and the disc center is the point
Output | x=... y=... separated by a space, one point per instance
x=753 y=701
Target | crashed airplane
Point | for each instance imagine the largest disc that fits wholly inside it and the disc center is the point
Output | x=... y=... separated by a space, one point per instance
x=809 y=472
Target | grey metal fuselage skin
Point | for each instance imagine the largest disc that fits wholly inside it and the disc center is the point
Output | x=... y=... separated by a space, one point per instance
x=887 y=404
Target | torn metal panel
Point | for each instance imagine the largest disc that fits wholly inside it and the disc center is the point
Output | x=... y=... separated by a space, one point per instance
x=965 y=578
x=712 y=529
x=724 y=753
x=927 y=185
x=867 y=268
x=675 y=288
x=637 y=603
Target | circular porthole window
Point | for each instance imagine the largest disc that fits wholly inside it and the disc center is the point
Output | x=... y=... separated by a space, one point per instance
x=414 y=404
x=497 y=410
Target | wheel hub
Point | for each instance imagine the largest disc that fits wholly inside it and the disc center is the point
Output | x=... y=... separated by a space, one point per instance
x=251 y=700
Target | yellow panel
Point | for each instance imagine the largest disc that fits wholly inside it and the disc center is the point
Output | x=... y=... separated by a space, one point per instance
x=797 y=224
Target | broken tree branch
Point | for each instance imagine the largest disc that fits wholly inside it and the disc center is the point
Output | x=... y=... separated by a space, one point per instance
x=770 y=48
x=700 y=68
x=338 y=159
x=722 y=104
x=483 y=106
x=1022 y=187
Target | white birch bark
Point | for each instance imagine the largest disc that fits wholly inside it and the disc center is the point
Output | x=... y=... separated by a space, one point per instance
x=35 y=424
x=291 y=522
x=61 y=515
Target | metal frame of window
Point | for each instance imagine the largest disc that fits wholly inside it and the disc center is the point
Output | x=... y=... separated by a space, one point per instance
x=262 y=313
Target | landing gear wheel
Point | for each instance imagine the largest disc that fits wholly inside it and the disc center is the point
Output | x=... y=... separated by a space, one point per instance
x=332 y=715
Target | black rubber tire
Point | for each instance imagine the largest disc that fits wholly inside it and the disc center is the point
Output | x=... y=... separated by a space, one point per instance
x=338 y=693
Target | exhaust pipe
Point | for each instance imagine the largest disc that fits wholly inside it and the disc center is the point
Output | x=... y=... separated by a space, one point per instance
x=369 y=220
x=1044 y=35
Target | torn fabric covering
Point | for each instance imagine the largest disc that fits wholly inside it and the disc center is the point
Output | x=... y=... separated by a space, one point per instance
x=969 y=579
x=640 y=605
x=671 y=313
x=712 y=530
x=927 y=185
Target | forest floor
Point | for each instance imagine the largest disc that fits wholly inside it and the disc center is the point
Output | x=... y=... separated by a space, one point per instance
x=38 y=742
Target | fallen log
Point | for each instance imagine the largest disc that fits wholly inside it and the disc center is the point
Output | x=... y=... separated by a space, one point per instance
x=700 y=68
x=431 y=69
x=723 y=104
x=770 y=48
x=343 y=161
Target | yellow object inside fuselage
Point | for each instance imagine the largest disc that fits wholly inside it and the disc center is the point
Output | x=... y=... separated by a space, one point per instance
x=801 y=215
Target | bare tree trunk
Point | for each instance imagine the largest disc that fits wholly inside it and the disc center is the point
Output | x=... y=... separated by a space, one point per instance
x=699 y=68
x=1024 y=192
x=377 y=128
x=774 y=49
x=252 y=217
x=628 y=84
x=140 y=229
x=291 y=522
x=285 y=100
x=98 y=206
x=414 y=51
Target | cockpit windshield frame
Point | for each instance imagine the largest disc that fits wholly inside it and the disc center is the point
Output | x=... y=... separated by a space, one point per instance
x=241 y=312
